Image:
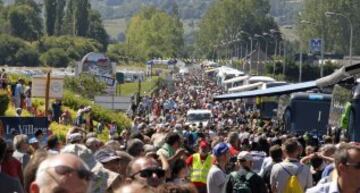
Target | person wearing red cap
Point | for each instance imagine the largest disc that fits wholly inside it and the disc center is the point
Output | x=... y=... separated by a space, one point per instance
x=200 y=164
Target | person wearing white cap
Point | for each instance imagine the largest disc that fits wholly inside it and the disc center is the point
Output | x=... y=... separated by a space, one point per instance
x=244 y=177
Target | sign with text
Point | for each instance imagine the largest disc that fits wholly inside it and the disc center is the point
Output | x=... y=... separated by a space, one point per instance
x=315 y=45
x=56 y=91
x=11 y=126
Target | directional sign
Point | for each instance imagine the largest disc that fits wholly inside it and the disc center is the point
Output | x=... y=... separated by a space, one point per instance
x=39 y=87
x=315 y=45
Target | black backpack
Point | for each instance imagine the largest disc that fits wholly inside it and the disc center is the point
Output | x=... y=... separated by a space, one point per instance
x=241 y=181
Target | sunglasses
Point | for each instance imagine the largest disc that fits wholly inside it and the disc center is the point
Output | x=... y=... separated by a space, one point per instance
x=147 y=173
x=82 y=173
x=353 y=165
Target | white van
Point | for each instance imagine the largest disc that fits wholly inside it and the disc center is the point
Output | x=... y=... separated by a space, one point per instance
x=198 y=116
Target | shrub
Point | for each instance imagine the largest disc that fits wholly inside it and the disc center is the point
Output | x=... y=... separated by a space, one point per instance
x=4 y=102
x=75 y=101
x=55 y=57
x=85 y=85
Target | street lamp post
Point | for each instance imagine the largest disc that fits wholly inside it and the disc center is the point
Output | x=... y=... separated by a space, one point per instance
x=251 y=49
x=322 y=44
x=329 y=13
x=266 y=44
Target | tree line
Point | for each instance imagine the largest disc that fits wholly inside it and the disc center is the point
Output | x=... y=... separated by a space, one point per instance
x=54 y=33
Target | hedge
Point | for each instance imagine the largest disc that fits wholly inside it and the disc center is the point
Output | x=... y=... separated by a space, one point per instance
x=74 y=102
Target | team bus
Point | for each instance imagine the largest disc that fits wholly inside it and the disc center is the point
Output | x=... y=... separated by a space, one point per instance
x=307 y=113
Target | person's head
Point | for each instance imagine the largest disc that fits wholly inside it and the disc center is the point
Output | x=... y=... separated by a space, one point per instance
x=179 y=169
x=135 y=187
x=62 y=173
x=233 y=139
x=109 y=159
x=146 y=170
x=2 y=148
x=21 y=143
x=291 y=148
x=245 y=160
x=21 y=81
x=9 y=150
x=125 y=159
x=74 y=138
x=34 y=143
x=39 y=134
x=309 y=149
x=53 y=142
x=347 y=162
x=204 y=148
x=174 y=140
x=18 y=111
x=93 y=144
x=135 y=148
x=276 y=153
x=32 y=166
x=176 y=188
x=221 y=153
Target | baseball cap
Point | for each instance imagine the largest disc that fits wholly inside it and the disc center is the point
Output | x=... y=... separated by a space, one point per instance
x=203 y=144
x=81 y=151
x=106 y=155
x=220 y=149
x=33 y=140
x=245 y=155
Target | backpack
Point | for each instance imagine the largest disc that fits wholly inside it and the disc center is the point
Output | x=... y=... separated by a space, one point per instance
x=241 y=182
x=293 y=185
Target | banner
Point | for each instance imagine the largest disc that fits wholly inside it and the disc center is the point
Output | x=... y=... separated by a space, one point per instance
x=11 y=126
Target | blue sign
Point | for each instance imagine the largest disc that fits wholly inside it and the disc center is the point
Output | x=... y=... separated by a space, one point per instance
x=315 y=45
x=23 y=125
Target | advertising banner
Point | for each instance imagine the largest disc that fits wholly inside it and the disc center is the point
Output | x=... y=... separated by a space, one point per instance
x=11 y=126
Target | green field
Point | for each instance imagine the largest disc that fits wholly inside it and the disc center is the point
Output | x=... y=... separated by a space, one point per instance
x=128 y=89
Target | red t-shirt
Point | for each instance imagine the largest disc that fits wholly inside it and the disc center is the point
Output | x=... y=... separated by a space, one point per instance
x=233 y=152
x=12 y=167
x=189 y=161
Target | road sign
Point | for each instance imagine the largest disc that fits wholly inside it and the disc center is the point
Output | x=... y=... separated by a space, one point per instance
x=114 y=102
x=315 y=45
x=56 y=90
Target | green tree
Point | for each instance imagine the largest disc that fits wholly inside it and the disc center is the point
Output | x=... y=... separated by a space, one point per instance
x=82 y=20
x=17 y=52
x=69 y=18
x=55 y=57
x=335 y=30
x=85 y=85
x=25 y=22
x=225 y=19
x=97 y=30
x=60 y=13
x=50 y=16
x=154 y=33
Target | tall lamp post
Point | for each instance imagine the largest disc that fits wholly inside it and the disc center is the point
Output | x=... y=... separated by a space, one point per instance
x=329 y=14
x=322 y=44
x=266 y=44
x=251 y=48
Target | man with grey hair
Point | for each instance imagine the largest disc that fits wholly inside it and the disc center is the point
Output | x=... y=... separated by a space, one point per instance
x=63 y=173
x=21 y=148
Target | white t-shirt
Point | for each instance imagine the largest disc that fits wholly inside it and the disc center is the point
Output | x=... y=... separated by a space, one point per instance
x=215 y=180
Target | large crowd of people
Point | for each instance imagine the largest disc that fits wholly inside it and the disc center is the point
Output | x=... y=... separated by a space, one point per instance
x=237 y=152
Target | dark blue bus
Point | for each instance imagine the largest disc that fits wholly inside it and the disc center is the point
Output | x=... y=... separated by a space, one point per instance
x=307 y=113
